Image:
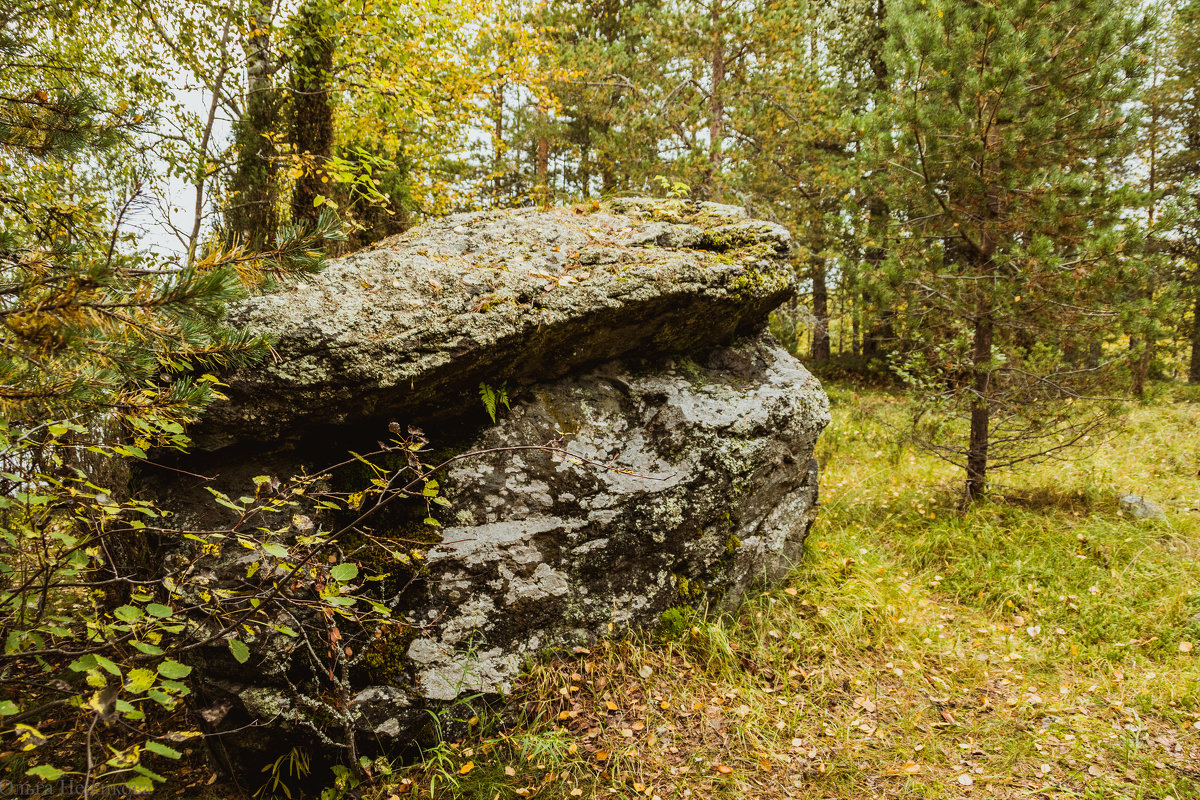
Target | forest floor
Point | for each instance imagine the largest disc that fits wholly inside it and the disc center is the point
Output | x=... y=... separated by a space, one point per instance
x=1041 y=645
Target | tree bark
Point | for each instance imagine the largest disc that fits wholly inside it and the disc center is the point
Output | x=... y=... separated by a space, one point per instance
x=1194 y=366
x=497 y=144
x=312 y=124
x=977 y=448
x=716 y=102
x=542 y=159
x=880 y=330
x=1139 y=369
x=252 y=215
x=820 y=304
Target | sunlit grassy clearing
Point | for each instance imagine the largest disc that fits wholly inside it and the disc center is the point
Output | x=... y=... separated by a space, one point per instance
x=1036 y=646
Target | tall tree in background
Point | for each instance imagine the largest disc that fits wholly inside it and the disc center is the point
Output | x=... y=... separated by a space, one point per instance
x=608 y=61
x=791 y=145
x=1180 y=104
x=1003 y=141
x=312 y=109
x=252 y=207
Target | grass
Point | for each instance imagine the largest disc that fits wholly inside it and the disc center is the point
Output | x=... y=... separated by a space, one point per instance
x=1039 y=645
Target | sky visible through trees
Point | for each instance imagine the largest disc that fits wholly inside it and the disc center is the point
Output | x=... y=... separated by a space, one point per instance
x=953 y=173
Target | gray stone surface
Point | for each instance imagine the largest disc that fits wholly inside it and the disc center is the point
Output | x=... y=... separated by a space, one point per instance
x=1138 y=507
x=412 y=324
x=549 y=551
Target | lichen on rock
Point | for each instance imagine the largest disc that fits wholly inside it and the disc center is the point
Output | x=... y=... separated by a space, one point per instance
x=411 y=325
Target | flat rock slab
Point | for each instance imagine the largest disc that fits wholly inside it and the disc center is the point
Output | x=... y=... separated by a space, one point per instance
x=409 y=328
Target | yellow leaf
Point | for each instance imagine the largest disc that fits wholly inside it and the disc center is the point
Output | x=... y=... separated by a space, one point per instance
x=467 y=767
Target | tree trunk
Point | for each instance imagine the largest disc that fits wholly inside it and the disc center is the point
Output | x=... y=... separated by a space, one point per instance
x=1139 y=368
x=252 y=214
x=716 y=103
x=312 y=123
x=977 y=448
x=542 y=168
x=1194 y=366
x=820 y=308
x=541 y=165
x=879 y=331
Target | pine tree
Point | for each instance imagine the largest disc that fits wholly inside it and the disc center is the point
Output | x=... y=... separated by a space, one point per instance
x=1180 y=99
x=90 y=324
x=1004 y=142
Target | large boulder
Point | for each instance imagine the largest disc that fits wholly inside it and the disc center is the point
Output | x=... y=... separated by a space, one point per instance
x=632 y=338
x=410 y=326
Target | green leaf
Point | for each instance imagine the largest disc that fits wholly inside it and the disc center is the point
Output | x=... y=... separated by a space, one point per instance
x=139 y=680
x=129 y=450
x=239 y=649
x=128 y=613
x=432 y=522
x=83 y=663
x=173 y=669
x=344 y=572
x=160 y=749
x=8 y=708
x=45 y=772
x=108 y=666
x=275 y=549
x=488 y=396
x=139 y=784
x=148 y=649
x=159 y=610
